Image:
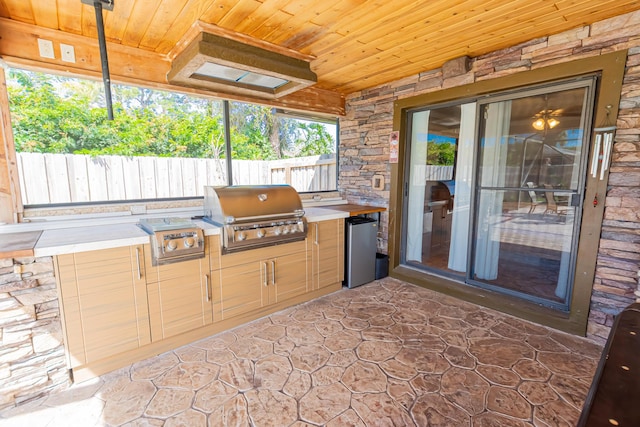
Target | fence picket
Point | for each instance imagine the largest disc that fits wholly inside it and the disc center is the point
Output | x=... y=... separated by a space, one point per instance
x=163 y=180
x=131 y=176
x=97 y=176
x=35 y=179
x=115 y=178
x=78 y=178
x=148 y=177
x=56 y=167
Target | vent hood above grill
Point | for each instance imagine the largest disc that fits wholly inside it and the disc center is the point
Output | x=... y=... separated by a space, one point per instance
x=228 y=66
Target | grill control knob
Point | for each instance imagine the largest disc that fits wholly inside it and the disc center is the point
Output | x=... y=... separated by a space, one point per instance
x=241 y=235
x=277 y=231
x=285 y=230
x=260 y=233
x=172 y=245
x=189 y=242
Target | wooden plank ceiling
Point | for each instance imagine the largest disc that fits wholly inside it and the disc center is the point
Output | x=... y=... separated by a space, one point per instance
x=352 y=44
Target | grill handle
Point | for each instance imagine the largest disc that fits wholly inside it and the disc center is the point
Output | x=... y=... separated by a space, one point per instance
x=297 y=214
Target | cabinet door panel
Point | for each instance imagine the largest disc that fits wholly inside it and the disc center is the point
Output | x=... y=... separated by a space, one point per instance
x=290 y=273
x=178 y=299
x=327 y=252
x=104 y=303
x=243 y=288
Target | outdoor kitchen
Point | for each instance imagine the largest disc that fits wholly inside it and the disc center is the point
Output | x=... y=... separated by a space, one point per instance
x=259 y=213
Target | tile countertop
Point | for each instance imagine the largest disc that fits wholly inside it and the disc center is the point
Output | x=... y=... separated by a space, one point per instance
x=116 y=232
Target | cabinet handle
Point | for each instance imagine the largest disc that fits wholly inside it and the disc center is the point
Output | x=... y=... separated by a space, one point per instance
x=208 y=284
x=316 y=224
x=138 y=262
x=273 y=272
x=264 y=277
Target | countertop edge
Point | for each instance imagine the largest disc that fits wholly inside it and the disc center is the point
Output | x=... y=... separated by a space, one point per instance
x=46 y=245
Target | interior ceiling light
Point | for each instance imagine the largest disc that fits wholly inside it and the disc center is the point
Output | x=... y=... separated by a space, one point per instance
x=545 y=121
x=228 y=66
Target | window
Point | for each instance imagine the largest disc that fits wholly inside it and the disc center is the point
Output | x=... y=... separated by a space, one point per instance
x=160 y=145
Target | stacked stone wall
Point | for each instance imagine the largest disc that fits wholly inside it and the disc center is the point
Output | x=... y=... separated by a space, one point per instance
x=32 y=358
x=364 y=146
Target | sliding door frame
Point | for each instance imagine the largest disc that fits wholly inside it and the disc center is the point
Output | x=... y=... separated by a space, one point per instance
x=610 y=69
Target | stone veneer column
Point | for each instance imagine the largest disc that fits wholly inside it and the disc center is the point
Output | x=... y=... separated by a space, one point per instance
x=32 y=357
x=364 y=145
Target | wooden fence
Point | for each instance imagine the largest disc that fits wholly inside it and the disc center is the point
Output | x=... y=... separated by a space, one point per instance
x=71 y=178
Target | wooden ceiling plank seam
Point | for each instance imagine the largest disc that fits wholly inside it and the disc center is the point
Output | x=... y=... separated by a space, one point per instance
x=259 y=17
x=269 y=17
x=21 y=11
x=69 y=16
x=306 y=35
x=163 y=19
x=45 y=14
x=217 y=10
x=238 y=14
x=115 y=21
x=276 y=23
x=139 y=21
x=192 y=12
x=301 y=17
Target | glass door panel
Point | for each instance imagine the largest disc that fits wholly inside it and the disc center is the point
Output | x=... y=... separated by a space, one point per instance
x=531 y=169
x=439 y=188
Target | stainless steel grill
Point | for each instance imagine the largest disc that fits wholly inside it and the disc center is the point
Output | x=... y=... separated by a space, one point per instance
x=253 y=216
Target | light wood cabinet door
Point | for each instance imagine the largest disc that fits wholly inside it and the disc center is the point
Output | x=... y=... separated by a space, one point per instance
x=327 y=252
x=179 y=297
x=267 y=276
x=243 y=288
x=287 y=277
x=104 y=302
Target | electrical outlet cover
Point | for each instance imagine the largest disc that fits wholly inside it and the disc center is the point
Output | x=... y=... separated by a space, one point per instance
x=67 y=53
x=46 y=48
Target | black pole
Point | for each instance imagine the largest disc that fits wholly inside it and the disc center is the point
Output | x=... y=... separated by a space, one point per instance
x=103 y=58
x=227 y=140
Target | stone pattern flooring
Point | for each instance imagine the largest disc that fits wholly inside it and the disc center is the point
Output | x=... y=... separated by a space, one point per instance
x=384 y=354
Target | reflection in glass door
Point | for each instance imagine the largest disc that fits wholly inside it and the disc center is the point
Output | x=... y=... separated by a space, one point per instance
x=531 y=169
x=494 y=191
x=439 y=190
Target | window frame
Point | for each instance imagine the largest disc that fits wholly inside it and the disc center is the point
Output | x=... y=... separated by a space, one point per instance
x=25 y=212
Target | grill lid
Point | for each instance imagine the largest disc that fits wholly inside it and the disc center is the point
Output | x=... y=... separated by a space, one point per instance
x=245 y=203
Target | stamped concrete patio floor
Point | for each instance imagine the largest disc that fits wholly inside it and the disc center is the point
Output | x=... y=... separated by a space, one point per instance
x=384 y=354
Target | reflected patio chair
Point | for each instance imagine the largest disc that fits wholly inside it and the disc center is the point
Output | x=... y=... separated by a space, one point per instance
x=535 y=199
x=552 y=205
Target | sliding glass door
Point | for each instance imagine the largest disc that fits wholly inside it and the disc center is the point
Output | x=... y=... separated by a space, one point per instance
x=495 y=189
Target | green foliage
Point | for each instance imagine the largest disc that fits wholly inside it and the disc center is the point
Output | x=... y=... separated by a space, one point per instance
x=441 y=153
x=52 y=114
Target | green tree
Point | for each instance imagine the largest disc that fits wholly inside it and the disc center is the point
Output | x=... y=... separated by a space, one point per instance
x=53 y=114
